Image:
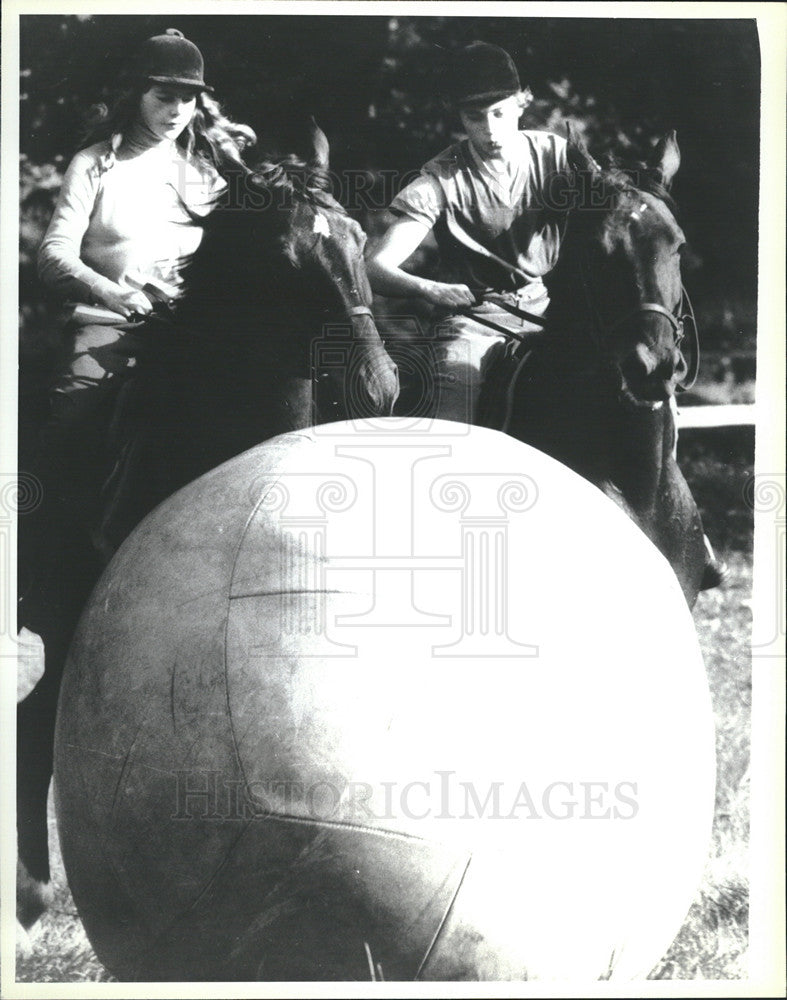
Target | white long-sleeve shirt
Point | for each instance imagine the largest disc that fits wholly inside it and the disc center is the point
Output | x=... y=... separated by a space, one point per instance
x=124 y=220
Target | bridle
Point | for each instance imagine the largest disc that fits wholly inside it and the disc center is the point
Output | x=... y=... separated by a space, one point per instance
x=677 y=318
x=683 y=315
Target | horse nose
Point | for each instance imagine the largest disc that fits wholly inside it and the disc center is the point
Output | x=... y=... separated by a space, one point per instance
x=649 y=374
x=670 y=366
x=645 y=360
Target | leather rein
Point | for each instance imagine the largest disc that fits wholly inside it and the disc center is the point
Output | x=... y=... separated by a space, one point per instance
x=677 y=318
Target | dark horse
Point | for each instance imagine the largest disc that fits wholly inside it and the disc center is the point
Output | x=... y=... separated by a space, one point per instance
x=595 y=390
x=274 y=333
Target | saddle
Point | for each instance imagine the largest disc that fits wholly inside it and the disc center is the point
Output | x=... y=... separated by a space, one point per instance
x=499 y=387
x=506 y=365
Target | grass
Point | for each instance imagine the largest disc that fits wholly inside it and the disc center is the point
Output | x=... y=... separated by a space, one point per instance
x=713 y=941
x=57 y=949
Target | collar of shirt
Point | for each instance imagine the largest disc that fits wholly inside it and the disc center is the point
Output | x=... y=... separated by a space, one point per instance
x=138 y=141
x=509 y=179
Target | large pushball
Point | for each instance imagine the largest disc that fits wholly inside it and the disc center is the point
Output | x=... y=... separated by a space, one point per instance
x=385 y=700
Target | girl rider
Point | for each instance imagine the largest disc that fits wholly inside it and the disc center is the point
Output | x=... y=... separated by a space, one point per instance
x=122 y=223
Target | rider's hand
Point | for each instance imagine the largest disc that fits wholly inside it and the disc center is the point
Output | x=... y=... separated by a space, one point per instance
x=127 y=302
x=448 y=295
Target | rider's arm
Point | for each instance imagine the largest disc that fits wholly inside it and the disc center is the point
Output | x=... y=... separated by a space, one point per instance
x=417 y=208
x=60 y=265
x=387 y=277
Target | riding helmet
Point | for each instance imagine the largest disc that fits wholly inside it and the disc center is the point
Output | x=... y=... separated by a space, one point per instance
x=481 y=73
x=171 y=58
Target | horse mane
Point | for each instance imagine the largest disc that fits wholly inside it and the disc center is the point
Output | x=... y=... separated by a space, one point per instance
x=278 y=181
x=636 y=176
x=290 y=177
x=249 y=239
x=598 y=189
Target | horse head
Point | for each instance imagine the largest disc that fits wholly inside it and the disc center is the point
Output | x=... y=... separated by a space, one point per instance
x=593 y=389
x=289 y=258
x=626 y=251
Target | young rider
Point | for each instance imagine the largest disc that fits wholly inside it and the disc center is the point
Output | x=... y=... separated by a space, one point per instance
x=486 y=198
x=122 y=222
x=491 y=205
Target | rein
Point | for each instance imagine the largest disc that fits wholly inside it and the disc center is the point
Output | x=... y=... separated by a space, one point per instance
x=677 y=321
x=677 y=318
x=511 y=334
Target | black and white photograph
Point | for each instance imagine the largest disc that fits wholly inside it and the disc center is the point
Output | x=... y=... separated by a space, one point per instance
x=392 y=511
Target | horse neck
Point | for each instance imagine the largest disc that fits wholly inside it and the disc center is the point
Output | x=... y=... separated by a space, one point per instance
x=613 y=442
x=644 y=441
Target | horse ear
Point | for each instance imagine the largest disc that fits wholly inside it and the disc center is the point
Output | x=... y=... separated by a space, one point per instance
x=579 y=159
x=319 y=146
x=666 y=158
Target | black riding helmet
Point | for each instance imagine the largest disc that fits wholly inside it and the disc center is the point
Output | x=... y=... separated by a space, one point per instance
x=171 y=58
x=481 y=74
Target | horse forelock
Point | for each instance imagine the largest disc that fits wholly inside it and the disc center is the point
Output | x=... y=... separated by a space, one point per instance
x=620 y=252
x=293 y=176
x=638 y=178
x=640 y=222
x=612 y=207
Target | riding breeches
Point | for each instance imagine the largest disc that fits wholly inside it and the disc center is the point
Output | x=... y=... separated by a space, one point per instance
x=464 y=350
x=70 y=456
x=83 y=392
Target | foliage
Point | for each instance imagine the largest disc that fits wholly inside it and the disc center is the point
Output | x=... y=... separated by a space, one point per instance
x=38 y=188
x=373 y=83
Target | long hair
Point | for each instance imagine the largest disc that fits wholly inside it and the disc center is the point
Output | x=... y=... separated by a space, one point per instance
x=210 y=138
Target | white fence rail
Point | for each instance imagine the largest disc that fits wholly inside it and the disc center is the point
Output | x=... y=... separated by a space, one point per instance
x=723 y=415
